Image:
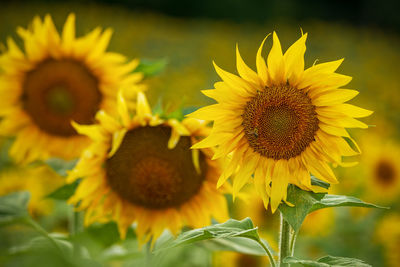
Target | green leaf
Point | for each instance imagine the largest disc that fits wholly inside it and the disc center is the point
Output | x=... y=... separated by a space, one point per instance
x=329 y=201
x=238 y=244
x=151 y=67
x=119 y=253
x=61 y=166
x=232 y=235
x=328 y=261
x=306 y=202
x=13 y=207
x=64 y=192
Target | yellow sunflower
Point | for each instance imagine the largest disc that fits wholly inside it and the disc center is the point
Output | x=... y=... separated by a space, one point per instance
x=235 y=259
x=318 y=223
x=250 y=205
x=142 y=170
x=39 y=181
x=380 y=162
x=388 y=234
x=280 y=123
x=55 y=80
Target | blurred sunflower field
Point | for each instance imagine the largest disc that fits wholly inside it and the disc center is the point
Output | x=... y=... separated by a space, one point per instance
x=116 y=150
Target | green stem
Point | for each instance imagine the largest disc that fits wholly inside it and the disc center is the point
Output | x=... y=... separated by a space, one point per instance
x=284 y=242
x=76 y=222
x=43 y=232
x=148 y=254
x=271 y=258
x=292 y=241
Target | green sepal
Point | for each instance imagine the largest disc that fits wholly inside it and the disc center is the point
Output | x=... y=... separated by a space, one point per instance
x=60 y=166
x=65 y=191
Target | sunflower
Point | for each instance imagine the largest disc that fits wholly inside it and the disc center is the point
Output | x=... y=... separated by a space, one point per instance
x=381 y=167
x=280 y=123
x=39 y=181
x=388 y=234
x=250 y=205
x=56 y=80
x=142 y=170
x=318 y=223
x=235 y=259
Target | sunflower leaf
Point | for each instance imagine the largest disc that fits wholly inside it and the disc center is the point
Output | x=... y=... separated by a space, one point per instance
x=306 y=202
x=64 y=192
x=61 y=166
x=13 y=207
x=328 y=261
x=330 y=201
x=233 y=235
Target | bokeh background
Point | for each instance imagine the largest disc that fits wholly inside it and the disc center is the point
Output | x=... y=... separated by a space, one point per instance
x=186 y=36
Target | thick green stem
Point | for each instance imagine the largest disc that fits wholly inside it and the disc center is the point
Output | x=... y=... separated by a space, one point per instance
x=292 y=241
x=76 y=222
x=284 y=242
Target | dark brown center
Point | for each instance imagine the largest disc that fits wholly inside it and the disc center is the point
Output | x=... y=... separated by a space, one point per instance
x=385 y=173
x=145 y=172
x=246 y=260
x=280 y=122
x=57 y=92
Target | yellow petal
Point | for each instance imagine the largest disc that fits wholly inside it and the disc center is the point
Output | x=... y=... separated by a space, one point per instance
x=235 y=82
x=280 y=179
x=68 y=33
x=117 y=138
x=353 y=111
x=275 y=61
x=142 y=106
x=260 y=63
x=213 y=139
x=246 y=170
x=294 y=59
x=333 y=130
x=333 y=97
x=244 y=71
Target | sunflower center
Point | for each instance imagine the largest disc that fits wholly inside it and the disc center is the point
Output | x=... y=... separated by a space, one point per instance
x=280 y=122
x=246 y=260
x=57 y=92
x=145 y=172
x=385 y=173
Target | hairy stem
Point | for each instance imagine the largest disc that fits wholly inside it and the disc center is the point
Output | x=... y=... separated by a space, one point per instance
x=284 y=242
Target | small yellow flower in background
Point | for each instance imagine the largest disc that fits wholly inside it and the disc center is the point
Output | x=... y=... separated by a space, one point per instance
x=380 y=162
x=250 y=205
x=235 y=259
x=39 y=181
x=388 y=234
x=142 y=170
x=318 y=223
x=56 y=80
x=281 y=123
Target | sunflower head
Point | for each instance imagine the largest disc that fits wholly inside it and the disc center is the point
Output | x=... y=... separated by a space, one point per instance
x=281 y=122
x=141 y=170
x=39 y=181
x=56 y=79
x=381 y=168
